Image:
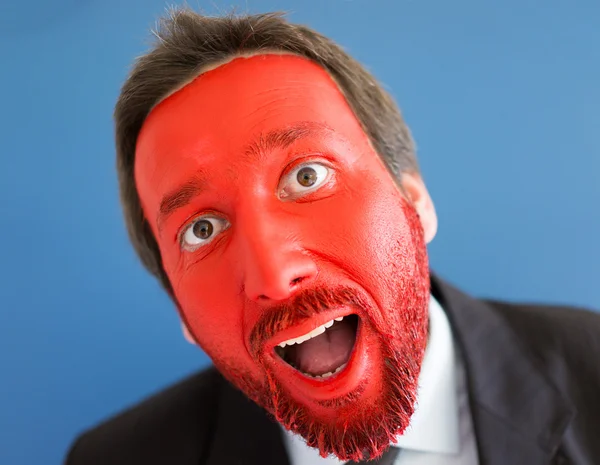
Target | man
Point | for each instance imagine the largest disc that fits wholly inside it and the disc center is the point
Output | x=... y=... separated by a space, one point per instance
x=271 y=185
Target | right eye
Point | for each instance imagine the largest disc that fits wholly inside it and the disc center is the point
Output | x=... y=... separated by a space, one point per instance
x=201 y=231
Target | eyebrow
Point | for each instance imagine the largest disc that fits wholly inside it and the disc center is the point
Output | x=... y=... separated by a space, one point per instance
x=280 y=138
x=179 y=197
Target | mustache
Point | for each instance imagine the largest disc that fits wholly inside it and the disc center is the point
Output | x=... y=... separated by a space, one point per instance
x=304 y=305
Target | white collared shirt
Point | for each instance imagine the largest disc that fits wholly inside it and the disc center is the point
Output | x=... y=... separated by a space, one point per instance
x=440 y=430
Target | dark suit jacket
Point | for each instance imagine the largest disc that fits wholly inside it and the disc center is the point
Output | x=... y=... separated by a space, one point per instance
x=533 y=375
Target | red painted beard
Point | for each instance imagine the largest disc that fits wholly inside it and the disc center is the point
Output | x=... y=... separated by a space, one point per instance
x=362 y=423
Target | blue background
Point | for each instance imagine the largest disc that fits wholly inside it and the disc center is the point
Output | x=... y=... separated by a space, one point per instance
x=502 y=98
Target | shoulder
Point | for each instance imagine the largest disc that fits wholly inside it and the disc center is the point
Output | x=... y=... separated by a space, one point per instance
x=565 y=341
x=565 y=344
x=173 y=423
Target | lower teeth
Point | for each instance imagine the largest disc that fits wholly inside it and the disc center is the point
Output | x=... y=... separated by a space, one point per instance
x=327 y=375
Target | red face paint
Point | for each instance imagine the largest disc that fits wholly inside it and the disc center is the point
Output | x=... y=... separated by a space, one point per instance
x=274 y=216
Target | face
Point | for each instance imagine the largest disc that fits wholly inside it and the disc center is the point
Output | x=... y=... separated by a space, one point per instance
x=296 y=262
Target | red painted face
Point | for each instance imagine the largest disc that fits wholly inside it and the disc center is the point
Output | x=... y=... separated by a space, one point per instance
x=277 y=221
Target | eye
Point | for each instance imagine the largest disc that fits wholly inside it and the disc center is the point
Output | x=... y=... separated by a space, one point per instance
x=303 y=179
x=202 y=231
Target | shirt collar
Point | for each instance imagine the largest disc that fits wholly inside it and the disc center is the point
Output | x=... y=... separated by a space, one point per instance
x=434 y=425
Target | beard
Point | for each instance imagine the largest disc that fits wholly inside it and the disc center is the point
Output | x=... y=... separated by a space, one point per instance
x=360 y=424
x=362 y=428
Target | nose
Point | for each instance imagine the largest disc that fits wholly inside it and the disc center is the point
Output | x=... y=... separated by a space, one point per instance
x=275 y=265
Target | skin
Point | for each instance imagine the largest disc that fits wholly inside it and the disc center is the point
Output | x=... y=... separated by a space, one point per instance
x=224 y=152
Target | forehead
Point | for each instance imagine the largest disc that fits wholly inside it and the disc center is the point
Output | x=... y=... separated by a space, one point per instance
x=211 y=119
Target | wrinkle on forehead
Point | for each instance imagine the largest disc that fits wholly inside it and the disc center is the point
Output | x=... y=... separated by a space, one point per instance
x=276 y=102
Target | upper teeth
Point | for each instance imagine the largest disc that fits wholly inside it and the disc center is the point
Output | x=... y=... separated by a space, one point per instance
x=315 y=332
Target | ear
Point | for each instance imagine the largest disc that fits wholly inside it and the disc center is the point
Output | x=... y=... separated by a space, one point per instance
x=184 y=329
x=186 y=333
x=414 y=188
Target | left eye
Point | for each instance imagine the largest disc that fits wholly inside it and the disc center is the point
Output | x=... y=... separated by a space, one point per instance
x=303 y=179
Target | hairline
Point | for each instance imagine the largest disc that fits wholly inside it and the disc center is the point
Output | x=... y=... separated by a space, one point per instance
x=234 y=56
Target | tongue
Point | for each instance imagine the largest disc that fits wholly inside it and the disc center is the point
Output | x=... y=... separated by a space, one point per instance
x=326 y=352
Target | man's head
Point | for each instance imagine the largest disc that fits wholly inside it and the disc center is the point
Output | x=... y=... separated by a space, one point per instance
x=271 y=185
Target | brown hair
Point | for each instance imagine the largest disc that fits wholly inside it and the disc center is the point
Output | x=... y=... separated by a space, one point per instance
x=187 y=42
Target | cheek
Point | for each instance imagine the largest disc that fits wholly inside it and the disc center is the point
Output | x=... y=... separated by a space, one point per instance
x=366 y=234
x=213 y=309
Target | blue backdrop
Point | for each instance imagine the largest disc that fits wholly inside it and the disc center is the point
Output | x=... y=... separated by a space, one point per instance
x=502 y=98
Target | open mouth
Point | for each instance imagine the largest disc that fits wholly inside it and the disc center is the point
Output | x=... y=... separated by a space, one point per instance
x=324 y=351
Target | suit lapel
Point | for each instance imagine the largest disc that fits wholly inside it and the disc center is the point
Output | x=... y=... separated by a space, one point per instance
x=518 y=414
x=244 y=434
